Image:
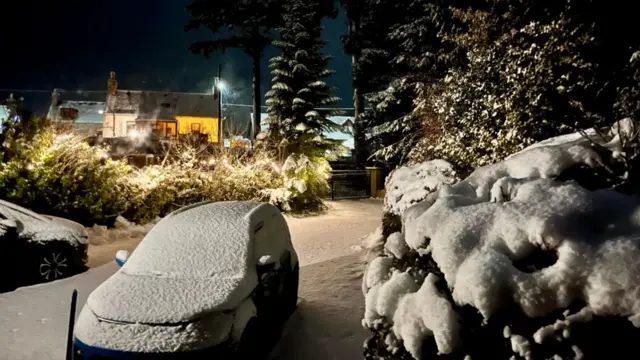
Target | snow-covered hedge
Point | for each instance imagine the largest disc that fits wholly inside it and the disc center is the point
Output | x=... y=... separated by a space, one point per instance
x=515 y=261
x=161 y=189
x=60 y=174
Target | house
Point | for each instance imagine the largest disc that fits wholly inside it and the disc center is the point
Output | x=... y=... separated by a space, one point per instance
x=344 y=122
x=12 y=111
x=166 y=114
x=83 y=115
x=4 y=113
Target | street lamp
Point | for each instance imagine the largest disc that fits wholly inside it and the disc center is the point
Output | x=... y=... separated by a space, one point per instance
x=220 y=86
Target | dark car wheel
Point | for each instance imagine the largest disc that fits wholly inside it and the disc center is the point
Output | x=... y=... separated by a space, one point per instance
x=290 y=292
x=55 y=265
x=251 y=344
x=57 y=261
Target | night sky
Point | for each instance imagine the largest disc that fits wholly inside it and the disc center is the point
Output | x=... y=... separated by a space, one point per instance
x=73 y=44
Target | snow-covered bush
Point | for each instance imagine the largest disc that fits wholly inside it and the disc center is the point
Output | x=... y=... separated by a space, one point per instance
x=517 y=261
x=405 y=186
x=164 y=188
x=528 y=84
x=408 y=185
x=305 y=184
x=59 y=174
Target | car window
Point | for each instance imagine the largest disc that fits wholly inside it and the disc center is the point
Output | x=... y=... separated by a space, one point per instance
x=16 y=214
x=271 y=237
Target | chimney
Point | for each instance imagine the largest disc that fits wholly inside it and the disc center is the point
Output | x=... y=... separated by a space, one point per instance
x=55 y=102
x=112 y=84
x=12 y=105
x=55 y=97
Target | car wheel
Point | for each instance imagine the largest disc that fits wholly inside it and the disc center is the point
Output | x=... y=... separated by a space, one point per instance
x=55 y=264
x=290 y=292
x=250 y=345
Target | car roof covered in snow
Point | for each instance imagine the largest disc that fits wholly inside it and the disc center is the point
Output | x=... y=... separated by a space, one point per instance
x=38 y=228
x=196 y=260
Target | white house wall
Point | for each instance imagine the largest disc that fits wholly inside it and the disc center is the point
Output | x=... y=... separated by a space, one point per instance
x=121 y=121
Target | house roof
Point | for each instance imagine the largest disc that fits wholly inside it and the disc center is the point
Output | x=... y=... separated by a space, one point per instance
x=89 y=112
x=4 y=113
x=151 y=105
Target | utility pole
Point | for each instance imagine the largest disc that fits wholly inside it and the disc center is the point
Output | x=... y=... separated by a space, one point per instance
x=219 y=89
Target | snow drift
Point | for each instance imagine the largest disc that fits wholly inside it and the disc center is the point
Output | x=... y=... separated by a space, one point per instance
x=478 y=229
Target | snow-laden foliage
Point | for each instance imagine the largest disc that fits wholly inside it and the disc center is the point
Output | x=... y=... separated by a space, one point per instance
x=60 y=174
x=473 y=81
x=305 y=184
x=628 y=102
x=524 y=87
x=393 y=129
x=298 y=84
x=513 y=262
x=418 y=56
x=409 y=185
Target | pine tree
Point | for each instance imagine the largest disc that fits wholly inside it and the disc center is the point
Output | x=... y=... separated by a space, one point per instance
x=299 y=88
x=419 y=57
x=370 y=49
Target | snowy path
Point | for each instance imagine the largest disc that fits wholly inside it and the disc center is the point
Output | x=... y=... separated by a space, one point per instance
x=327 y=324
x=33 y=320
x=337 y=233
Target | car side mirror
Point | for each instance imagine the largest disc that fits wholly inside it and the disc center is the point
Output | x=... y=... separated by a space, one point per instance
x=8 y=228
x=8 y=225
x=121 y=257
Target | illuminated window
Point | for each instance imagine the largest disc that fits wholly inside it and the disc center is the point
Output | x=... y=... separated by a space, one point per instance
x=69 y=114
x=195 y=128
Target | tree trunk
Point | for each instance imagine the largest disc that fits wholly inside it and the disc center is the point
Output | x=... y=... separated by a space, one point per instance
x=256 y=96
x=359 y=151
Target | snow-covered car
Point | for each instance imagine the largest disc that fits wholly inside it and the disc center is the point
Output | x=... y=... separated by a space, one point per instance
x=210 y=279
x=38 y=248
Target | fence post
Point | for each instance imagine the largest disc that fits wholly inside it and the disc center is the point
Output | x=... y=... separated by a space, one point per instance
x=332 y=186
x=149 y=159
x=374 y=178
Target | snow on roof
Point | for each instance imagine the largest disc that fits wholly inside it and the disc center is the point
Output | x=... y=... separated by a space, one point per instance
x=4 y=112
x=196 y=260
x=150 y=105
x=89 y=112
x=501 y=213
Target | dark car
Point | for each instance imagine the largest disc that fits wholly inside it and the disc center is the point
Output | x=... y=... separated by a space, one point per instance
x=209 y=281
x=37 y=248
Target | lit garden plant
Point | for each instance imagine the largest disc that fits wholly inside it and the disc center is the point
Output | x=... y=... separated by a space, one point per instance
x=60 y=174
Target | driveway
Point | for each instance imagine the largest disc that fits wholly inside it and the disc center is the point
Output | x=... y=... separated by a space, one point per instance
x=326 y=325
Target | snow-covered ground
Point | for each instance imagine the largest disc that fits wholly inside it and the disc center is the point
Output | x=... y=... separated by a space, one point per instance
x=327 y=324
x=33 y=320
